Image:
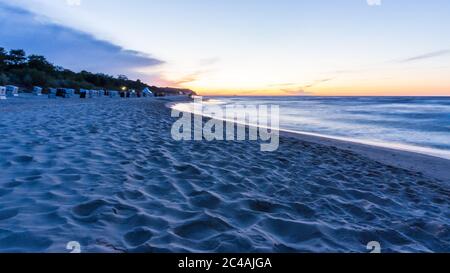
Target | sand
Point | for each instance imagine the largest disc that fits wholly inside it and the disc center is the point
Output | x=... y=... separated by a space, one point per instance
x=106 y=173
x=430 y=166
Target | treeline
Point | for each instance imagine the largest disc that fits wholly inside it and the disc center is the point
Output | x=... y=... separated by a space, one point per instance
x=16 y=68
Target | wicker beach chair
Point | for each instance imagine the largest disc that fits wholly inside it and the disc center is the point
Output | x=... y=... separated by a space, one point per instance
x=52 y=93
x=113 y=94
x=93 y=94
x=12 y=91
x=83 y=93
x=2 y=93
x=37 y=91
x=68 y=93
x=147 y=92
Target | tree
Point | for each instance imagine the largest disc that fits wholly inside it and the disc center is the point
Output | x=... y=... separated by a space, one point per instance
x=36 y=78
x=3 y=58
x=26 y=71
x=27 y=80
x=3 y=79
x=16 y=58
x=40 y=63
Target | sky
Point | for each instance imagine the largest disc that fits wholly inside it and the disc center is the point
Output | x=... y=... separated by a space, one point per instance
x=245 y=47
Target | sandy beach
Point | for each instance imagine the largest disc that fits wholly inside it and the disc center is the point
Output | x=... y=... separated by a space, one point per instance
x=107 y=174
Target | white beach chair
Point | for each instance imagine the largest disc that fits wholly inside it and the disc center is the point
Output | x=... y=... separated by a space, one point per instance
x=37 y=91
x=84 y=93
x=113 y=94
x=12 y=91
x=133 y=94
x=52 y=93
x=93 y=94
x=60 y=92
x=68 y=93
x=147 y=92
x=2 y=93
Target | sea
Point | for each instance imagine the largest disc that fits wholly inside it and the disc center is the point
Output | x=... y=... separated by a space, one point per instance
x=417 y=124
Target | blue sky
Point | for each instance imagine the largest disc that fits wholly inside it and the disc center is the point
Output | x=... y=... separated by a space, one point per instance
x=287 y=47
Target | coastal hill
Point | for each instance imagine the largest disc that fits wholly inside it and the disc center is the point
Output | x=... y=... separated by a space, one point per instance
x=16 y=68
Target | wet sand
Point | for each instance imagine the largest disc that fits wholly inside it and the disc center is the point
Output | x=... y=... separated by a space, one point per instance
x=431 y=166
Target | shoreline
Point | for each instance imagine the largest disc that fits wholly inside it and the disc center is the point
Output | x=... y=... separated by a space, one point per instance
x=432 y=166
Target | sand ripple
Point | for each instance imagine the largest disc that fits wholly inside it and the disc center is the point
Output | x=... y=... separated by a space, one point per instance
x=107 y=174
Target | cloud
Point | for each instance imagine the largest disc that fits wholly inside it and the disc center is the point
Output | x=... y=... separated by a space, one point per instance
x=206 y=64
x=209 y=61
x=283 y=84
x=298 y=89
x=374 y=2
x=426 y=56
x=68 y=47
x=73 y=2
x=295 y=92
x=187 y=79
x=317 y=82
